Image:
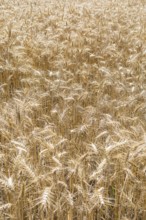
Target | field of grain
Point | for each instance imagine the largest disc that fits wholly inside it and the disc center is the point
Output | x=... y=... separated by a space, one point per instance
x=72 y=110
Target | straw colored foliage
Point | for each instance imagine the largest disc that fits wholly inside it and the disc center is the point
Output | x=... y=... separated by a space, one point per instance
x=72 y=110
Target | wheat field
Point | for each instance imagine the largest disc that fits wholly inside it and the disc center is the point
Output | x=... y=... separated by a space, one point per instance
x=72 y=110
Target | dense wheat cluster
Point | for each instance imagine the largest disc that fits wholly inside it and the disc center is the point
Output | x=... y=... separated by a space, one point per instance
x=72 y=110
